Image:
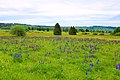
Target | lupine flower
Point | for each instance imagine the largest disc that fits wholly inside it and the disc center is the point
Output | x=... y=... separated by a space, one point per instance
x=91 y=65
x=118 y=67
x=90 y=69
x=17 y=55
x=42 y=62
x=97 y=62
x=86 y=72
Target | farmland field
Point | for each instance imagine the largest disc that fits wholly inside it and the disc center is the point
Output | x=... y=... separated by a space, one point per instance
x=80 y=57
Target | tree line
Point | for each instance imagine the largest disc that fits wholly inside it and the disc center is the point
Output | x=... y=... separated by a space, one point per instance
x=73 y=31
x=21 y=30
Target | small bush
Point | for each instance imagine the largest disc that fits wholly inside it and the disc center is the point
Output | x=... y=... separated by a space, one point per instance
x=117 y=34
x=6 y=31
x=101 y=34
x=18 y=30
x=84 y=33
x=95 y=33
x=116 y=30
x=72 y=31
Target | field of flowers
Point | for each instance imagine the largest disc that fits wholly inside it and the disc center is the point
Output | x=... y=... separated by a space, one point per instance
x=59 y=58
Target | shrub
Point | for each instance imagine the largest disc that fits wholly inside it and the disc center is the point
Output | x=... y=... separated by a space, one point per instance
x=57 y=29
x=18 y=30
x=117 y=30
x=101 y=34
x=95 y=33
x=87 y=30
x=81 y=30
x=117 y=34
x=47 y=29
x=72 y=31
x=85 y=33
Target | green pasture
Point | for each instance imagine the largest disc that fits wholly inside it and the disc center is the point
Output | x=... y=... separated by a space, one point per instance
x=43 y=56
x=107 y=36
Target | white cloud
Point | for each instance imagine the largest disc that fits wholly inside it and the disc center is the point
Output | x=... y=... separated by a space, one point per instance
x=64 y=11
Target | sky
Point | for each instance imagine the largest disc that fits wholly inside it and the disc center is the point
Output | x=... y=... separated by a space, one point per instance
x=64 y=12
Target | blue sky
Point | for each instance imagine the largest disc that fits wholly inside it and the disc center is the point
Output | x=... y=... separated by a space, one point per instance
x=65 y=12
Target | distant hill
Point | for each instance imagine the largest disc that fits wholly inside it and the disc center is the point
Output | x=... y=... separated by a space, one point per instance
x=96 y=28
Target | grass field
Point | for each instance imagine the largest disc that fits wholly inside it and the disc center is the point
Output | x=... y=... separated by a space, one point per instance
x=107 y=36
x=43 y=56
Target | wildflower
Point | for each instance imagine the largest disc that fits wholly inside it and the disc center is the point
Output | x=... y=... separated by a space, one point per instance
x=86 y=72
x=42 y=62
x=90 y=69
x=91 y=65
x=118 y=67
x=97 y=62
x=17 y=55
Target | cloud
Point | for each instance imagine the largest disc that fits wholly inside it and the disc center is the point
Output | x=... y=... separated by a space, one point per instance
x=117 y=17
x=66 y=12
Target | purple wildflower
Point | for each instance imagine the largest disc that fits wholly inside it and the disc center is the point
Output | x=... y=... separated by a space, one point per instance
x=118 y=67
x=86 y=72
x=42 y=62
x=97 y=62
x=17 y=55
x=90 y=69
x=91 y=65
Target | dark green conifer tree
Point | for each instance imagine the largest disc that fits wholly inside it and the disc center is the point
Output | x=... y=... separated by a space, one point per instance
x=47 y=29
x=72 y=31
x=57 y=29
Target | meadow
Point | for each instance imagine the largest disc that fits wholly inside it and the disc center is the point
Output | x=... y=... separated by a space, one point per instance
x=43 y=56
